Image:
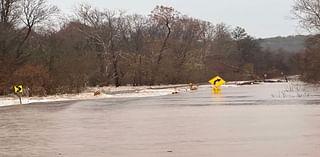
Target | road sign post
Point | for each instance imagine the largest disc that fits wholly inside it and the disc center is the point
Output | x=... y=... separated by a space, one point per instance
x=18 y=90
x=19 y=95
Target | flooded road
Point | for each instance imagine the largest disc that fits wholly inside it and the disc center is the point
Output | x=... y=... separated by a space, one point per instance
x=269 y=120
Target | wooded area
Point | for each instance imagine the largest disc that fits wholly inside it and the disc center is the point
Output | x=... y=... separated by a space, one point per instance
x=100 y=47
x=308 y=14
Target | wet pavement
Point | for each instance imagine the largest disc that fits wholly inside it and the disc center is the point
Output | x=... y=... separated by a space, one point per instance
x=269 y=120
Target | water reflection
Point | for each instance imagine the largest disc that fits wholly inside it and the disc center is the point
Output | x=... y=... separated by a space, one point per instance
x=216 y=91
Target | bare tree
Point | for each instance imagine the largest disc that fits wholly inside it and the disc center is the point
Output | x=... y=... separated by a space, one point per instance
x=187 y=36
x=103 y=27
x=34 y=12
x=8 y=11
x=9 y=15
x=308 y=13
x=164 y=16
x=133 y=32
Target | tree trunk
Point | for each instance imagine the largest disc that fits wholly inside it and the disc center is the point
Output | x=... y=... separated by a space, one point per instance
x=115 y=70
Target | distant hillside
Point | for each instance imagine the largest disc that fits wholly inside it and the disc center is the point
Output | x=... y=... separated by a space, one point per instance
x=292 y=44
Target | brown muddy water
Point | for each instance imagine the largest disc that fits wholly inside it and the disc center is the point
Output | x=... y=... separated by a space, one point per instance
x=269 y=120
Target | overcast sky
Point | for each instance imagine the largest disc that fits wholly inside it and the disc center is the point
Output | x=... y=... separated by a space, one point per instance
x=261 y=18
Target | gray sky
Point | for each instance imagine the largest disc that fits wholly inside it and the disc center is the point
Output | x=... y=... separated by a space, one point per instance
x=261 y=18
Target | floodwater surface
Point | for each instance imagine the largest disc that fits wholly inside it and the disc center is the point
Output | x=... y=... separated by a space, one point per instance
x=268 y=120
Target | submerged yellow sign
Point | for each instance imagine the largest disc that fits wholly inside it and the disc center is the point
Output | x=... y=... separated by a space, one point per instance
x=216 y=91
x=18 y=89
x=217 y=81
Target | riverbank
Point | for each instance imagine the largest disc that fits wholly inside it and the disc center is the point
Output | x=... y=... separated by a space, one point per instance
x=129 y=91
x=103 y=93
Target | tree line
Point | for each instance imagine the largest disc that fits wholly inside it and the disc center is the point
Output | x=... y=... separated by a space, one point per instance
x=308 y=14
x=101 y=47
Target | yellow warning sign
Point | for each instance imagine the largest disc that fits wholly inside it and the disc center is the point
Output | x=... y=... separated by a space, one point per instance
x=18 y=89
x=217 y=81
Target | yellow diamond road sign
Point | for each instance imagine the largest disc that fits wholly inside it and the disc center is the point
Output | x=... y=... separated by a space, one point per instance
x=18 y=89
x=217 y=81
